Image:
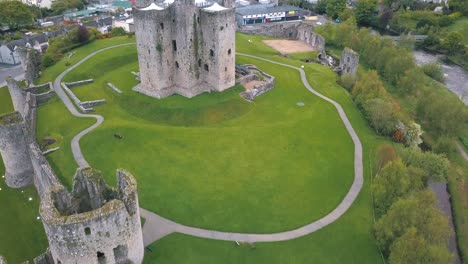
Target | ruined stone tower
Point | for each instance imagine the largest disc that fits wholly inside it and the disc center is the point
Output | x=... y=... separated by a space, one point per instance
x=14 y=150
x=94 y=224
x=349 y=62
x=185 y=47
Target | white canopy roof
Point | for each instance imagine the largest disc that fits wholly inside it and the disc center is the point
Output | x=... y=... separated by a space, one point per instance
x=215 y=8
x=153 y=6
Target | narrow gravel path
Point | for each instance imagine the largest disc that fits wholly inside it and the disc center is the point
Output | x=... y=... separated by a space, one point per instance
x=157 y=227
x=462 y=151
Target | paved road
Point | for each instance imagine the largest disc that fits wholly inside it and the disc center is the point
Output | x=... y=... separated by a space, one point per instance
x=157 y=227
x=16 y=72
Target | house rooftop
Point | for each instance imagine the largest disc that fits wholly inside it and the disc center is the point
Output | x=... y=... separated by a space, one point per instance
x=263 y=9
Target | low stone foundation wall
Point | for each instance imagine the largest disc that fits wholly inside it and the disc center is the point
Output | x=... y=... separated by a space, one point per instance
x=78 y=83
x=267 y=84
x=91 y=104
x=36 y=89
x=44 y=258
x=86 y=106
x=113 y=87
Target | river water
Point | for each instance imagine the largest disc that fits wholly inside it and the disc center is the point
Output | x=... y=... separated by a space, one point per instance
x=456 y=78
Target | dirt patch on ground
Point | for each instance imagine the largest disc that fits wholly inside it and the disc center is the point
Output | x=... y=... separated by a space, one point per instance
x=288 y=46
x=250 y=85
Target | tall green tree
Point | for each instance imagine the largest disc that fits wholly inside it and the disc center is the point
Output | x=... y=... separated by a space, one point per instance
x=453 y=42
x=335 y=7
x=60 y=6
x=413 y=248
x=459 y=5
x=435 y=166
x=442 y=114
x=416 y=211
x=368 y=87
x=15 y=14
x=365 y=12
x=390 y=184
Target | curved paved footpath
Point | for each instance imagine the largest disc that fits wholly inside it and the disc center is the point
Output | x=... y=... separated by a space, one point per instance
x=157 y=227
x=75 y=144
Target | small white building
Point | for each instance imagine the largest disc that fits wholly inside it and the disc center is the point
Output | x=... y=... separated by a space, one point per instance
x=9 y=51
x=8 y=54
x=126 y=24
x=40 y=3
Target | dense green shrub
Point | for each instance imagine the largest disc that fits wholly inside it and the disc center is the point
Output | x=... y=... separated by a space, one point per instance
x=434 y=71
x=347 y=81
x=118 y=31
x=435 y=166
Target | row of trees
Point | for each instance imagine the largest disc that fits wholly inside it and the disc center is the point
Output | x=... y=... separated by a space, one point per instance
x=442 y=115
x=409 y=228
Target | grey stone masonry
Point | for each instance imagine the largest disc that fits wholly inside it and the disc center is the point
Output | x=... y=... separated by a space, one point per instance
x=266 y=83
x=45 y=258
x=113 y=87
x=185 y=48
x=78 y=83
x=94 y=223
x=86 y=106
x=14 y=149
x=349 y=62
x=18 y=96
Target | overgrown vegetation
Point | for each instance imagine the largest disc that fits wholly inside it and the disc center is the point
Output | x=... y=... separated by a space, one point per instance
x=409 y=228
x=58 y=46
x=441 y=116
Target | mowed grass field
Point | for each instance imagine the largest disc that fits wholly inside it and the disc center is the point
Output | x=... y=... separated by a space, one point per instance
x=218 y=162
x=22 y=236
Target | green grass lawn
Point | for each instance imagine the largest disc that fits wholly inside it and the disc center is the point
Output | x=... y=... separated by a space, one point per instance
x=347 y=240
x=209 y=161
x=52 y=72
x=461 y=25
x=21 y=235
x=218 y=162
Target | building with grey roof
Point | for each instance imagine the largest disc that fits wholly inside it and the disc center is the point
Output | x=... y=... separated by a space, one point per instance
x=260 y=14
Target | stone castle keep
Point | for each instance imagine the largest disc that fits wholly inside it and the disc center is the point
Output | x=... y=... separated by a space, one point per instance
x=186 y=47
x=92 y=224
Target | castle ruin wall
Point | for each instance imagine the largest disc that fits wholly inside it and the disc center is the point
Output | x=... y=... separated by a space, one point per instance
x=14 y=150
x=185 y=49
x=18 y=96
x=306 y=33
x=349 y=61
x=94 y=224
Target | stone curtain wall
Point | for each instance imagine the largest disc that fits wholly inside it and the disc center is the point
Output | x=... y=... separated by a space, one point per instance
x=111 y=229
x=14 y=149
x=294 y=30
x=306 y=33
x=27 y=153
x=277 y=30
